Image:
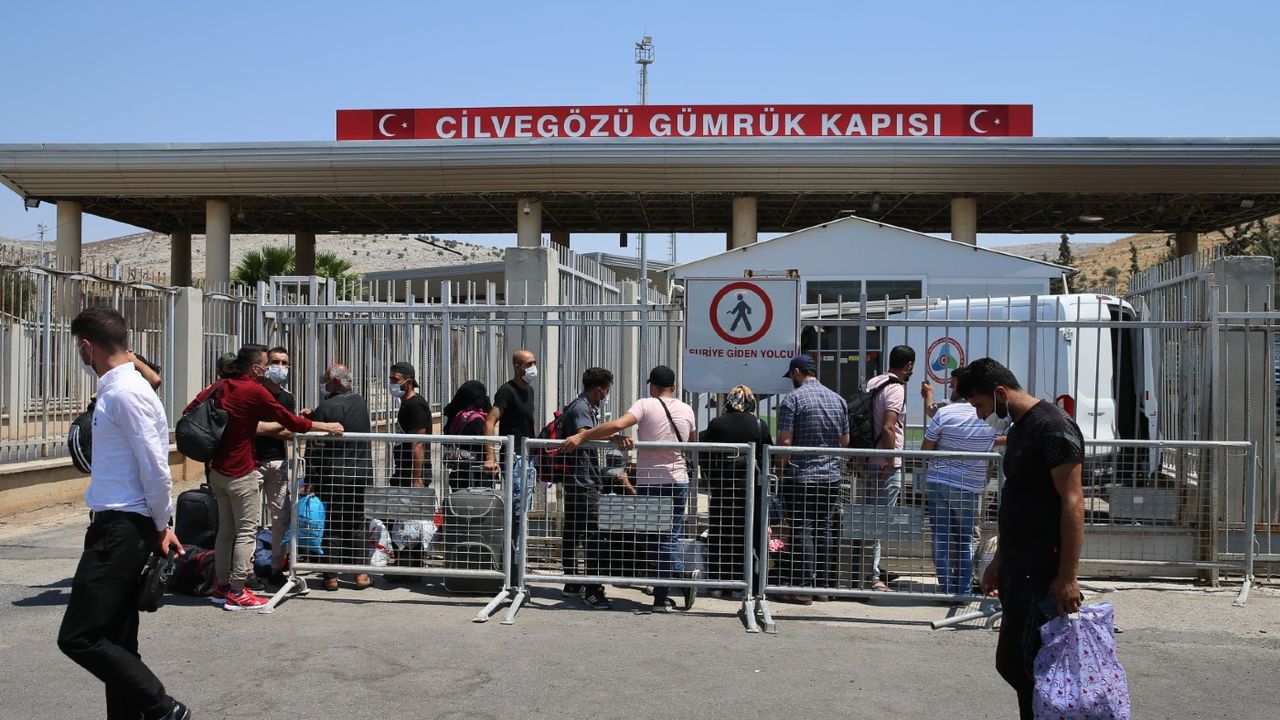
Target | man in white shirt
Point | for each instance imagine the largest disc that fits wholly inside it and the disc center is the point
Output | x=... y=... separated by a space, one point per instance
x=661 y=417
x=130 y=494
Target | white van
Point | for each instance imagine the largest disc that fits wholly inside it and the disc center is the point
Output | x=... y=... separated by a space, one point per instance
x=1083 y=358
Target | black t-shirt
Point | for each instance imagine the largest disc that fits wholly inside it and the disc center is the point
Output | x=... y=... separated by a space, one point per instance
x=584 y=463
x=266 y=449
x=516 y=404
x=1030 y=507
x=735 y=427
x=414 y=416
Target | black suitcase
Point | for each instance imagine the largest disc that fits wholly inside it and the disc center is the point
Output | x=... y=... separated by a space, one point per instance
x=196 y=521
x=472 y=535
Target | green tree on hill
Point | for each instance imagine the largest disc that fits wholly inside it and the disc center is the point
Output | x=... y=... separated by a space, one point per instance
x=1134 y=268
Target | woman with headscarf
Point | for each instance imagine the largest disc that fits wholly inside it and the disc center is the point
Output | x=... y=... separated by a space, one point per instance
x=465 y=415
x=727 y=482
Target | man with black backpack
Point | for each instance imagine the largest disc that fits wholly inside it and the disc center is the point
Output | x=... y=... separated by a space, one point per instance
x=889 y=415
x=580 y=488
x=233 y=470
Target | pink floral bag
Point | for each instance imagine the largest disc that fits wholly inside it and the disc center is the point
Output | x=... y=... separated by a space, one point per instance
x=1078 y=676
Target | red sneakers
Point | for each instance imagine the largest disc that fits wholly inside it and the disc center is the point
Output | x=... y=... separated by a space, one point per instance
x=244 y=600
x=220 y=594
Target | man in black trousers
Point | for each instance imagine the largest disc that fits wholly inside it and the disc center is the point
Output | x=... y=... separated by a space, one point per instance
x=131 y=496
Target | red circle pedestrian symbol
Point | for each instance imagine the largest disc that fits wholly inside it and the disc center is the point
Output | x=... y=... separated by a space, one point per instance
x=748 y=313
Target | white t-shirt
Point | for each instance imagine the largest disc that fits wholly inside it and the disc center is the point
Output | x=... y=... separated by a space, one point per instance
x=661 y=467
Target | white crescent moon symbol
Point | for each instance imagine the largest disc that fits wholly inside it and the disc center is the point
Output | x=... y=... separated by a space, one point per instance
x=382 y=125
x=973 y=125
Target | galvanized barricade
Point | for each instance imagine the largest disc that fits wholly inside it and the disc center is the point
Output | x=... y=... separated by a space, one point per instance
x=389 y=510
x=1170 y=508
x=848 y=530
x=636 y=524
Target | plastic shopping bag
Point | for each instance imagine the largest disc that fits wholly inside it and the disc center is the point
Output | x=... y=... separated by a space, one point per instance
x=1078 y=676
x=379 y=543
x=414 y=532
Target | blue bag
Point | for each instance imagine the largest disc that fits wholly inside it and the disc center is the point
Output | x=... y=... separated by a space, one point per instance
x=310 y=525
x=262 y=553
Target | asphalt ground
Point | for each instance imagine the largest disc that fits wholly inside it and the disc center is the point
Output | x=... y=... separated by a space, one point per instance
x=413 y=652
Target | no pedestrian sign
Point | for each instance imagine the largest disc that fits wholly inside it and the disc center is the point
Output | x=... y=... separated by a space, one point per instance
x=740 y=332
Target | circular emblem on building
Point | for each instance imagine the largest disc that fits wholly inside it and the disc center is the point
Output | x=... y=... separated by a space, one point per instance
x=945 y=355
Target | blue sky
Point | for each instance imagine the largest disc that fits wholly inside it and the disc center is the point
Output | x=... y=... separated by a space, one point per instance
x=249 y=71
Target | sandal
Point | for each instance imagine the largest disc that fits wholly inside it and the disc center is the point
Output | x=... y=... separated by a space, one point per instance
x=363 y=581
x=879 y=586
x=331 y=583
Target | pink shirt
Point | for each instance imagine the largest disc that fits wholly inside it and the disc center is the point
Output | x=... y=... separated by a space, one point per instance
x=893 y=397
x=661 y=467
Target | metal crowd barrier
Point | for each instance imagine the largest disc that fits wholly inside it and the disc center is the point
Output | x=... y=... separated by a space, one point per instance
x=847 y=532
x=639 y=529
x=443 y=518
x=1171 y=507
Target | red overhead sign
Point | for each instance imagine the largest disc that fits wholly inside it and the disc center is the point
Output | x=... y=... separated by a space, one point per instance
x=697 y=121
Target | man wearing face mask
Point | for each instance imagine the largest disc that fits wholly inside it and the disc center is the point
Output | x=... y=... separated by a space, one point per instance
x=269 y=450
x=581 y=489
x=413 y=460
x=339 y=471
x=233 y=472
x=1041 y=519
x=889 y=417
x=512 y=415
x=131 y=496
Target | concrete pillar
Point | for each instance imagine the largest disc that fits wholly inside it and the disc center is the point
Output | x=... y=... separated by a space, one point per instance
x=559 y=237
x=533 y=278
x=67 y=247
x=744 y=222
x=188 y=348
x=627 y=378
x=304 y=253
x=16 y=363
x=1188 y=242
x=528 y=223
x=217 y=245
x=964 y=220
x=180 y=259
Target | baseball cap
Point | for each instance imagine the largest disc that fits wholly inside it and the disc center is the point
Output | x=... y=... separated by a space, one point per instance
x=801 y=362
x=227 y=363
x=662 y=376
x=405 y=369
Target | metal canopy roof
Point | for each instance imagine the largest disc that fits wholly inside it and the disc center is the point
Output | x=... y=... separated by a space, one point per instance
x=686 y=185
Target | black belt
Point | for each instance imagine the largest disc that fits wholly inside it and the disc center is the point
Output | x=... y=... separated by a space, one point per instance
x=103 y=516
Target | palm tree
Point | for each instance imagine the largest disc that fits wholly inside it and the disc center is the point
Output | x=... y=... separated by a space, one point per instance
x=259 y=265
x=329 y=265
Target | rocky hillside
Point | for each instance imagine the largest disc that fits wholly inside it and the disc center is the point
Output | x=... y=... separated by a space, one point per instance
x=148 y=253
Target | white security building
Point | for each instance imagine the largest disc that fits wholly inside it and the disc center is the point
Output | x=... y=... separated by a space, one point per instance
x=846 y=257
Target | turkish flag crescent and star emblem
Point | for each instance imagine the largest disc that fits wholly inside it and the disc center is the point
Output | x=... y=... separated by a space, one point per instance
x=984 y=120
x=393 y=124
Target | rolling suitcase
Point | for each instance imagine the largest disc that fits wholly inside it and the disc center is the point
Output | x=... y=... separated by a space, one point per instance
x=472 y=535
x=196 y=517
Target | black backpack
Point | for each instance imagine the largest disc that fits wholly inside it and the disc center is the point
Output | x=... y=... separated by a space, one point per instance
x=199 y=433
x=196 y=517
x=863 y=433
x=80 y=439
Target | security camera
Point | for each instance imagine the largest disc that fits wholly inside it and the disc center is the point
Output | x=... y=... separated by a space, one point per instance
x=527 y=208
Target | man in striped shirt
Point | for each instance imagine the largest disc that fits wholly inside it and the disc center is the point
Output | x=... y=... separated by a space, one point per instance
x=954 y=487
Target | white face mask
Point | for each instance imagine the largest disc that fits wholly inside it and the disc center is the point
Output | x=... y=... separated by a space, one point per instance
x=531 y=374
x=88 y=368
x=999 y=424
x=999 y=419
x=278 y=374
x=396 y=390
x=324 y=391
x=604 y=400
